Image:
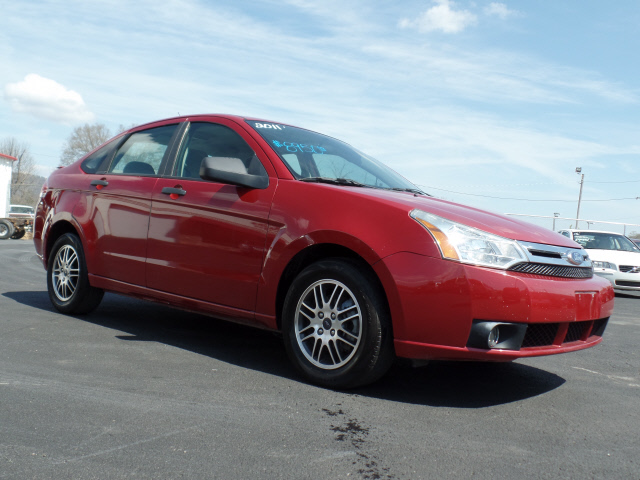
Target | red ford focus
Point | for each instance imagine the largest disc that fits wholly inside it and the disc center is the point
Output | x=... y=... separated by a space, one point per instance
x=287 y=229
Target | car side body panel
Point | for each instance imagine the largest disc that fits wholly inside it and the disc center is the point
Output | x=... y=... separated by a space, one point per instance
x=208 y=244
x=117 y=219
x=55 y=209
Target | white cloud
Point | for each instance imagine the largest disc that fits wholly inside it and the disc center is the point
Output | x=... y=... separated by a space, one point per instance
x=46 y=98
x=441 y=17
x=499 y=10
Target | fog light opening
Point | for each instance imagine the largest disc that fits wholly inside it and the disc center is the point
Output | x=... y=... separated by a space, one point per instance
x=494 y=337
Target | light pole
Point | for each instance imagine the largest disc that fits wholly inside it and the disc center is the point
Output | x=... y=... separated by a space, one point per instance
x=589 y=225
x=555 y=215
x=578 y=171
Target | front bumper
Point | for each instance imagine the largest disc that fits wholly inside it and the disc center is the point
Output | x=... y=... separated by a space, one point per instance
x=621 y=281
x=434 y=303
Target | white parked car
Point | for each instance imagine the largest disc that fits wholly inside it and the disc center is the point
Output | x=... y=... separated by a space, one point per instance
x=614 y=257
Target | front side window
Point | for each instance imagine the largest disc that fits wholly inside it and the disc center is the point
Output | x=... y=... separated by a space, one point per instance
x=311 y=155
x=143 y=152
x=213 y=140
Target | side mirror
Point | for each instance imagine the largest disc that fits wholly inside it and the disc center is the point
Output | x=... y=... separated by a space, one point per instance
x=232 y=171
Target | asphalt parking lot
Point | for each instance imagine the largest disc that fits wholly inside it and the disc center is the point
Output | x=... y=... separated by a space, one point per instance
x=138 y=390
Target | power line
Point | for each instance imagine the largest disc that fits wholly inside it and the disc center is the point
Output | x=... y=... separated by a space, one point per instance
x=529 y=199
x=537 y=183
x=623 y=181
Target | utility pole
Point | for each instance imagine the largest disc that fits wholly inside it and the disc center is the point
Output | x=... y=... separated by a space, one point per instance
x=579 y=170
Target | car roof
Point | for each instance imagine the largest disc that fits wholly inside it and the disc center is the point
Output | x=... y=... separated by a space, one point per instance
x=182 y=118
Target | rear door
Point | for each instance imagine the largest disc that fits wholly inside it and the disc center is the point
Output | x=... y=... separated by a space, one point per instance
x=207 y=241
x=119 y=211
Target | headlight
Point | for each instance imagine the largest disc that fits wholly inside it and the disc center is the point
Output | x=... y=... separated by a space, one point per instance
x=470 y=245
x=608 y=265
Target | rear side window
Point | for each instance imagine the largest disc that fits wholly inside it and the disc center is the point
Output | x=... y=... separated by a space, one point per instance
x=143 y=152
x=98 y=159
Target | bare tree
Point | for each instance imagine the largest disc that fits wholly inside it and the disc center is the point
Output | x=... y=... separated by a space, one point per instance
x=25 y=183
x=124 y=128
x=82 y=140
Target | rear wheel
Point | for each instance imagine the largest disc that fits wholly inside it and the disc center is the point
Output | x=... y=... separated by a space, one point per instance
x=336 y=327
x=6 y=229
x=19 y=234
x=68 y=279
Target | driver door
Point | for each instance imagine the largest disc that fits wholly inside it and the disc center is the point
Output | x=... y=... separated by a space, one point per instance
x=206 y=239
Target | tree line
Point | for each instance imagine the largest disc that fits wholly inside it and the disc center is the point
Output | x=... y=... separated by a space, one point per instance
x=26 y=183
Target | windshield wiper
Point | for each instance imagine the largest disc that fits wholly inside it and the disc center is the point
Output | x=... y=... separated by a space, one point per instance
x=335 y=181
x=410 y=190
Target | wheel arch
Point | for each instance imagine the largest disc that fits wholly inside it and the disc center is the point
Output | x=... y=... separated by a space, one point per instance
x=56 y=231
x=313 y=254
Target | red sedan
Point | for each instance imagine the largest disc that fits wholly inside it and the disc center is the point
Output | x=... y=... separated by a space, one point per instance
x=286 y=229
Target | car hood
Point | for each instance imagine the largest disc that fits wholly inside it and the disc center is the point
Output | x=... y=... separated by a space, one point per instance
x=614 y=256
x=495 y=223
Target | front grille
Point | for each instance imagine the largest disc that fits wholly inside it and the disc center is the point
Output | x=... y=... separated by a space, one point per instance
x=575 y=331
x=598 y=327
x=540 y=334
x=625 y=283
x=628 y=268
x=544 y=253
x=544 y=334
x=553 y=270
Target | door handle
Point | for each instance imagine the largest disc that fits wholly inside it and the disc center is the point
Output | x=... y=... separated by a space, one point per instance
x=174 y=191
x=99 y=184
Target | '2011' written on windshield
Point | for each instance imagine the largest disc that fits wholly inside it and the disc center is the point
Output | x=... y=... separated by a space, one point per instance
x=299 y=147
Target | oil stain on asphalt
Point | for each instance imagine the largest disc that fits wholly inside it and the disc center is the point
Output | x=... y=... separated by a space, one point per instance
x=352 y=431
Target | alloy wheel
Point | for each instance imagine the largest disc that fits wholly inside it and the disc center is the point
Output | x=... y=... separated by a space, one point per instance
x=66 y=271
x=328 y=324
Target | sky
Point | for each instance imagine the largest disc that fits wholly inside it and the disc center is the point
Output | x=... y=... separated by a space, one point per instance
x=489 y=104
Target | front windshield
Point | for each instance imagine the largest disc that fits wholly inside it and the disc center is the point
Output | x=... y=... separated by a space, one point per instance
x=312 y=155
x=604 y=241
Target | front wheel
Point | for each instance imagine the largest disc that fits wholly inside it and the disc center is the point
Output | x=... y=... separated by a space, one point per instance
x=336 y=325
x=68 y=279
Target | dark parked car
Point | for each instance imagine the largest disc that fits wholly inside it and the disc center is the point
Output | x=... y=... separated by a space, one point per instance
x=276 y=226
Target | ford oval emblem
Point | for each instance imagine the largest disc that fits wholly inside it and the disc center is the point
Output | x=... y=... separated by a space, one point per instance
x=575 y=258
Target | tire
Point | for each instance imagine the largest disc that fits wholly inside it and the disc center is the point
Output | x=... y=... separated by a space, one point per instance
x=19 y=234
x=336 y=325
x=6 y=229
x=68 y=279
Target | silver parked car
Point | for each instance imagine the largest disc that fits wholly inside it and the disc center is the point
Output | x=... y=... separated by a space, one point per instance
x=614 y=256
